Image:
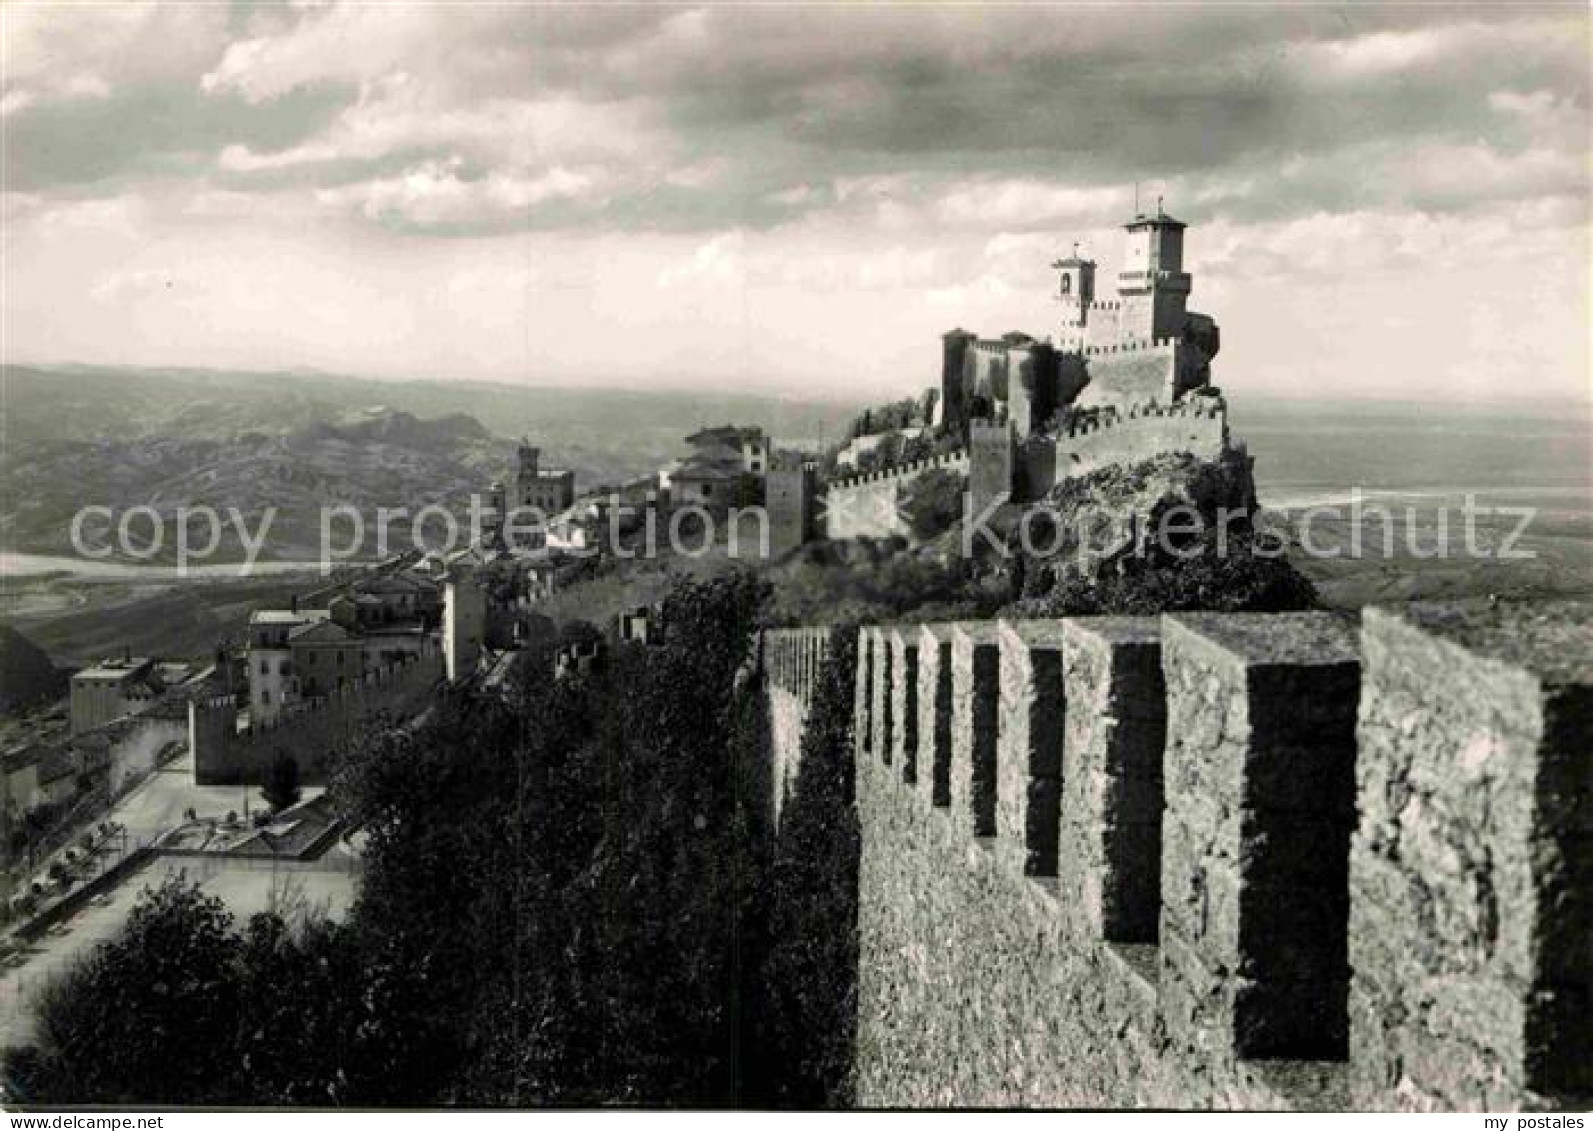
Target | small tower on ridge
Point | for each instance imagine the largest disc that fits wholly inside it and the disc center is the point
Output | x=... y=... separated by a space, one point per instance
x=1075 y=291
x=528 y=461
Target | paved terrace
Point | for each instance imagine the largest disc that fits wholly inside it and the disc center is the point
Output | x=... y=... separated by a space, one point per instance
x=247 y=885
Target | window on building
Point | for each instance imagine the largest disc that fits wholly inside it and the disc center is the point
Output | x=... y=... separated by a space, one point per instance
x=265 y=668
x=265 y=696
x=1067 y=284
x=707 y=490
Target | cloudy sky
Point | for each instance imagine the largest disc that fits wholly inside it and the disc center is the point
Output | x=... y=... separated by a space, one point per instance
x=1384 y=201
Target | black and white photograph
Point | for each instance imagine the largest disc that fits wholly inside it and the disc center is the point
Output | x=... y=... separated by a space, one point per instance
x=795 y=557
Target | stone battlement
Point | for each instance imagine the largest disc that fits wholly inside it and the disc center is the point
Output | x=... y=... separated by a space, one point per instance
x=1226 y=860
x=1142 y=345
x=957 y=459
x=307 y=730
x=1192 y=408
x=1197 y=425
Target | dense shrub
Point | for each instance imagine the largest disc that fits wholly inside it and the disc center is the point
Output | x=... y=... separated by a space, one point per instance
x=183 y=1007
x=933 y=502
x=878 y=581
x=1222 y=564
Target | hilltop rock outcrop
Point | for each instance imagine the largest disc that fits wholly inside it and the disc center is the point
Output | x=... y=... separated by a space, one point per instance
x=27 y=676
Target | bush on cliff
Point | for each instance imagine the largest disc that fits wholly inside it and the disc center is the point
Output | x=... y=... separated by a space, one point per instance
x=876 y=580
x=1166 y=534
x=933 y=502
x=1234 y=580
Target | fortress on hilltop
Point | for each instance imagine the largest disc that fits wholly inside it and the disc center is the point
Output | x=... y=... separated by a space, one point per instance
x=1144 y=347
x=1122 y=379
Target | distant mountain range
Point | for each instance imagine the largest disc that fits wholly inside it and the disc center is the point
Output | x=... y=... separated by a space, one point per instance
x=74 y=436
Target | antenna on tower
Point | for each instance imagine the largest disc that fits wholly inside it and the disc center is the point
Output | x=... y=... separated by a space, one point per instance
x=1136 y=198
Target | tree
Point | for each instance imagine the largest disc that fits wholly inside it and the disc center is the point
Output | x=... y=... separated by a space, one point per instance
x=109 y=1030
x=565 y=901
x=281 y=790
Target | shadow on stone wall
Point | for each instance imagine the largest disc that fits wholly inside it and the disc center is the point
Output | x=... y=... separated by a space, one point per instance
x=806 y=1022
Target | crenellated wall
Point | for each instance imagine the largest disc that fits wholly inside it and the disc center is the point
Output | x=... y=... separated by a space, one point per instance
x=1226 y=860
x=867 y=505
x=1197 y=425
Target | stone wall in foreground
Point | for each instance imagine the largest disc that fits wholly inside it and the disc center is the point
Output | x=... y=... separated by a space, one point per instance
x=1240 y=860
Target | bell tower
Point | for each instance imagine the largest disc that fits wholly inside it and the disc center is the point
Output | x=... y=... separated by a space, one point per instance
x=1075 y=291
x=1153 y=283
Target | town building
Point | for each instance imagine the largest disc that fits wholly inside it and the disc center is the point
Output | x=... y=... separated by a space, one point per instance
x=303 y=653
x=547 y=490
x=725 y=468
x=123 y=686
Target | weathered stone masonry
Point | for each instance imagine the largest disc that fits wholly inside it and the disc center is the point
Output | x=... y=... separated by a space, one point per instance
x=1229 y=860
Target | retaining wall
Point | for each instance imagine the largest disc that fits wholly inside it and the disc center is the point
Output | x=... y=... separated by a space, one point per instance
x=308 y=731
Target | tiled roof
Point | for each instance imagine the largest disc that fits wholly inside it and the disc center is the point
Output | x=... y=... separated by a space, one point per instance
x=326 y=628
x=288 y=616
x=725 y=434
x=707 y=470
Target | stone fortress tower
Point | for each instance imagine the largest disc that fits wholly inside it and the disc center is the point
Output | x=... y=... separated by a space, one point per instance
x=1150 y=315
x=1124 y=379
x=547 y=490
x=1143 y=347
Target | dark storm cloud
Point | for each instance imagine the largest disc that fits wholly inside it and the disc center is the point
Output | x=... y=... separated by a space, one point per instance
x=1233 y=92
x=1272 y=112
x=154 y=130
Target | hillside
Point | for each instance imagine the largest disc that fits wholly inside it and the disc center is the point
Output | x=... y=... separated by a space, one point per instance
x=26 y=674
x=76 y=436
x=383 y=458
